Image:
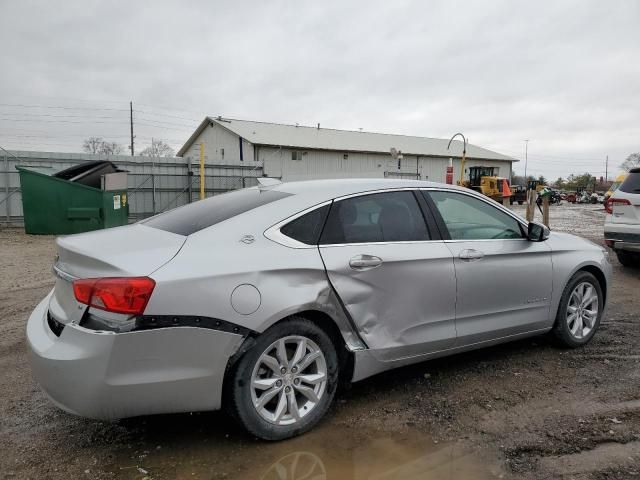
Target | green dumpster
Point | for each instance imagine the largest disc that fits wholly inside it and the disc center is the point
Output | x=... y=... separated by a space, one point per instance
x=55 y=205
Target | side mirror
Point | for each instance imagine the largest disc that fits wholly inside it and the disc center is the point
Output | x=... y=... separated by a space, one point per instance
x=537 y=232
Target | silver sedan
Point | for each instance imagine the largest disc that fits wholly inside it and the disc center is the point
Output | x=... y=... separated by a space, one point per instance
x=263 y=300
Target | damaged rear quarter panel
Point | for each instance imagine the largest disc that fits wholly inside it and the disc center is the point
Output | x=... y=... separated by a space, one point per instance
x=201 y=278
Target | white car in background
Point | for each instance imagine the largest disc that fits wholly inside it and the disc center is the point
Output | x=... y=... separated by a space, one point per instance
x=622 y=224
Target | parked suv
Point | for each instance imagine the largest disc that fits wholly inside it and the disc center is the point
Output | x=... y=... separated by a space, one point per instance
x=622 y=224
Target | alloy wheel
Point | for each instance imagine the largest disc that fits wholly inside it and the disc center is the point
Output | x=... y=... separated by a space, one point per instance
x=582 y=310
x=288 y=380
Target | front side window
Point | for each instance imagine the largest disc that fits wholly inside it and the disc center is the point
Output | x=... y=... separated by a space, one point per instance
x=468 y=218
x=379 y=217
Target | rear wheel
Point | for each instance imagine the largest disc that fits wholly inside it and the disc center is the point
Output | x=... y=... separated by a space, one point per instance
x=286 y=382
x=628 y=259
x=580 y=310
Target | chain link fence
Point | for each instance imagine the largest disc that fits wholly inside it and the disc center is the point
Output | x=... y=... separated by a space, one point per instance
x=154 y=184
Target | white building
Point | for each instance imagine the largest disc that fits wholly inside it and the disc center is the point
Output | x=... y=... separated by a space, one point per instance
x=293 y=152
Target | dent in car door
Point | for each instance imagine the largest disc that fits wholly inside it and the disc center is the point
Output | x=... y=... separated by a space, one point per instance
x=401 y=295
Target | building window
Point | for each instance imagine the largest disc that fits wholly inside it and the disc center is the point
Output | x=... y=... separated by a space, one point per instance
x=296 y=155
x=345 y=156
x=222 y=153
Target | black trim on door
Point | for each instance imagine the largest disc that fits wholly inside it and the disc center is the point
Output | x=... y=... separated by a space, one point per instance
x=432 y=227
x=429 y=205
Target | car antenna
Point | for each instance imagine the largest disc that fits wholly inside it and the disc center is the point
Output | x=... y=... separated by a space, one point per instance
x=267 y=182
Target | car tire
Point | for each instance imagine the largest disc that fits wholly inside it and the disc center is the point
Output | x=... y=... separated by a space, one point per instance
x=520 y=202
x=628 y=259
x=572 y=312
x=265 y=418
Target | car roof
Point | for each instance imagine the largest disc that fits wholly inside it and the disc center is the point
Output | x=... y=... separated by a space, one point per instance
x=332 y=188
x=303 y=195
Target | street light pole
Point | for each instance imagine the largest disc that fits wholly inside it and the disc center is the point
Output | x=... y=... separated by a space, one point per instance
x=526 y=151
x=464 y=155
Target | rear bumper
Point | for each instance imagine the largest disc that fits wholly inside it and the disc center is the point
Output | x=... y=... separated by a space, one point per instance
x=114 y=375
x=622 y=236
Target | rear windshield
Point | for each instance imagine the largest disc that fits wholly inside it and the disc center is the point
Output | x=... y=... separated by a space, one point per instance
x=196 y=216
x=631 y=184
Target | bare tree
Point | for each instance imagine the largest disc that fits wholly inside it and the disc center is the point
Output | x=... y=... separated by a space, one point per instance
x=98 y=145
x=92 y=144
x=632 y=161
x=158 y=148
x=111 y=148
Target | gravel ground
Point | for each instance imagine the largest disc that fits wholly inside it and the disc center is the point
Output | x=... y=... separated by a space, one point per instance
x=522 y=410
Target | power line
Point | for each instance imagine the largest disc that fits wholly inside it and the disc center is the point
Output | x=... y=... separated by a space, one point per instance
x=555 y=156
x=49 y=115
x=61 y=107
x=170 y=109
x=10 y=135
x=158 y=126
x=166 y=115
x=54 y=121
x=17 y=117
x=192 y=125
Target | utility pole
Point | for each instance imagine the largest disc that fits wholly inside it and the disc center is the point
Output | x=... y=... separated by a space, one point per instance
x=131 y=122
x=606 y=170
x=526 y=151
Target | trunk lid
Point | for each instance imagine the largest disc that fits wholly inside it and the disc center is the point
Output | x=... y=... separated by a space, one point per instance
x=132 y=250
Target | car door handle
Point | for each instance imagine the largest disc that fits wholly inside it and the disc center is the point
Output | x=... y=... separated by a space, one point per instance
x=364 y=262
x=470 y=255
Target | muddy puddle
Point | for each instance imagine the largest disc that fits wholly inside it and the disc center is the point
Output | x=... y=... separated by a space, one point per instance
x=329 y=452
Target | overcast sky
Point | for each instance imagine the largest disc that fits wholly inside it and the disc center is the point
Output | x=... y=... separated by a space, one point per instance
x=563 y=74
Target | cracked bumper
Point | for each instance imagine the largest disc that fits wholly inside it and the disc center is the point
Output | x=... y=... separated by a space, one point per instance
x=115 y=375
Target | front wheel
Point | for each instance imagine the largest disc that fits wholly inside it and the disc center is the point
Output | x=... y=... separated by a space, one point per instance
x=580 y=310
x=286 y=382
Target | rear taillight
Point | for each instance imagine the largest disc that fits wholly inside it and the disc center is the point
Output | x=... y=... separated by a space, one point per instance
x=611 y=202
x=119 y=294
x=609 y=243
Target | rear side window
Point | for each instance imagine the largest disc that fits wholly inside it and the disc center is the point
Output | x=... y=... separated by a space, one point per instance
x=307 y=228
x=631 y=184
x=196 y=216
x=379 y=217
